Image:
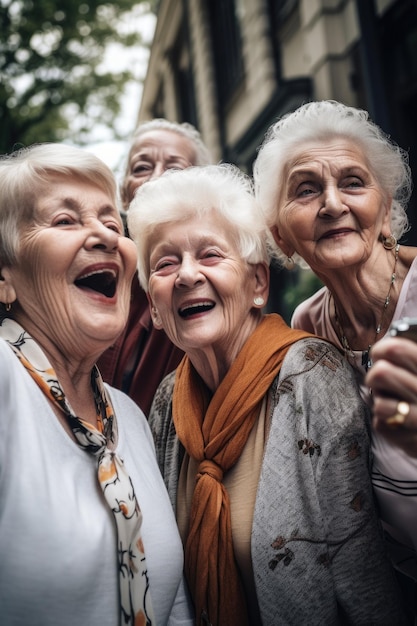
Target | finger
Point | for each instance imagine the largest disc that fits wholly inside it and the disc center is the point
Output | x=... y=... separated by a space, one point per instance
x=397 y=422
x=387 y=379
x=398 y=418
x=398 y=351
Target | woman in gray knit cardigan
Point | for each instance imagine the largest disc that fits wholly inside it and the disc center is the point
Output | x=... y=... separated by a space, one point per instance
x=260 y=432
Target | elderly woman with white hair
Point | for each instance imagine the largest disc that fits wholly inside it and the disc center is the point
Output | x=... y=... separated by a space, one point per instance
x=260 y=432
x=87 y=533
x=334 y=189
x=142 y=355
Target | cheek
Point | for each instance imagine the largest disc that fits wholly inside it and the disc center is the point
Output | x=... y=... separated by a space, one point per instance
x=130 y=254
x=298 y=220
x=286 y=215
x=285 y=229
x=129 y=191
x=133 y=184
x=161 y=295
x=42 y=268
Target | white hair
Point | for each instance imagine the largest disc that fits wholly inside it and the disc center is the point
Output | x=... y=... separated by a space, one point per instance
x=202 y=155
x=177 y=196
x=24 y=175
x=321 y=121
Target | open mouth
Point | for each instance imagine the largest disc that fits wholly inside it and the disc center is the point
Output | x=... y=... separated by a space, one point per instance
x=103 y=281
x=194 y=309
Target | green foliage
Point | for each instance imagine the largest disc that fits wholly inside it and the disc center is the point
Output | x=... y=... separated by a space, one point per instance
x=53 y=84
x=305 y=285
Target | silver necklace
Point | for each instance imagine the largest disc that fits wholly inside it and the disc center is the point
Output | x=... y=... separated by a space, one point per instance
x=348 y=352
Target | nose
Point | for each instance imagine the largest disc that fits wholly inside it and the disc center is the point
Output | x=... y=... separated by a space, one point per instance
x=158 y=170
x=103 y=238
x=332 y=205
x=189 y=273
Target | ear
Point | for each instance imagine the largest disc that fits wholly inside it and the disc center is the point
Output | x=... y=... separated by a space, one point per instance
x=156 y=320
x=7 y=290
x=386 y=223
x=281 y=243
x=261 y=281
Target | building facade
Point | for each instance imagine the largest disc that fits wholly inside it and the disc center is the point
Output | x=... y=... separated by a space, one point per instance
x=232 y=67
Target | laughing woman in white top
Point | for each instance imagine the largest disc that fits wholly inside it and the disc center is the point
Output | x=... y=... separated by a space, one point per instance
x=334 y=189
x=87 y=534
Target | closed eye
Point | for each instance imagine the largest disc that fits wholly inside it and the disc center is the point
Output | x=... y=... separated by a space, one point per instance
x=63 y=220
x=115 y=227
x=211 y=256
x=210 y=253
x=165 y=266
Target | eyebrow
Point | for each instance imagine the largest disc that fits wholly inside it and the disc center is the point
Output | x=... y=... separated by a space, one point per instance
x=148 y=155
x=205 y=240
x=75 y=205
x=70 y=203
x=349 y=169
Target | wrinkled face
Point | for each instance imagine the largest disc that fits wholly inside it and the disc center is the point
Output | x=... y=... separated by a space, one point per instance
x=151 y=155
x=199 y=285
x=74 y=270
x=331 y=209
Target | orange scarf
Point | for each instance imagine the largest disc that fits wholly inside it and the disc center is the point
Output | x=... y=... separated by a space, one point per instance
x=214 y=432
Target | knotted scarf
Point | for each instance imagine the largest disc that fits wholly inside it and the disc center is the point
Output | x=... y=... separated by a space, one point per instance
x=135 y=600
x=214 y=432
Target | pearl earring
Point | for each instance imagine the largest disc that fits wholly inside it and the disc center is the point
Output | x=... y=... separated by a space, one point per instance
x=289 y=263
x=258 y=301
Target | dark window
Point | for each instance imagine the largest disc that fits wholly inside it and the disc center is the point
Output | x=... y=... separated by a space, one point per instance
x=399 y=60
x=227 y=47
x=281 y=9
x=185 y=92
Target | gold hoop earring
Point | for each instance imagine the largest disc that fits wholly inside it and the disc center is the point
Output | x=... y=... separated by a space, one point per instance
x=390 y=242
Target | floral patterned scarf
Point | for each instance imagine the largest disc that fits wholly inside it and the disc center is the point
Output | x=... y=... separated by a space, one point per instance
x=135 y=600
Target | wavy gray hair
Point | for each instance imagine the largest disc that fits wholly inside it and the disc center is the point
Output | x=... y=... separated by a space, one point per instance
x=318 y=121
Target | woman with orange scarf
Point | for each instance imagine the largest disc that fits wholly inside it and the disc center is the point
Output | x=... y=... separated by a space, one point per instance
x=260 y=433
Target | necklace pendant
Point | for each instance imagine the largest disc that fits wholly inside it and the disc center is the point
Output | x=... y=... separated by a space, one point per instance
x=366 y=354
x=345 y=344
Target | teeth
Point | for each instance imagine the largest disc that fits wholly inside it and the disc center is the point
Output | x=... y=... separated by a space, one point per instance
x=104 y=271
x=195 y=305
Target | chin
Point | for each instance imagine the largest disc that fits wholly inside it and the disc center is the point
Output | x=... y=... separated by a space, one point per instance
x=103 y=327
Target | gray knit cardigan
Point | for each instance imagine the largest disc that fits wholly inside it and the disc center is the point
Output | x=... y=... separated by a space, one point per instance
x=317 y=548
